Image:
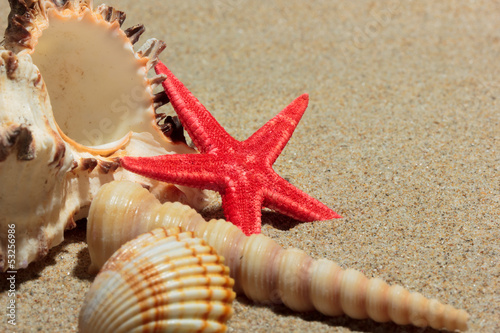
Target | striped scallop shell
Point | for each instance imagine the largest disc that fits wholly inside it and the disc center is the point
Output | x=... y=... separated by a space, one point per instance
x=161 y=281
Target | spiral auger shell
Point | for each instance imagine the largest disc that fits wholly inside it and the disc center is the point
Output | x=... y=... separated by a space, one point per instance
x=262 y=270
x=161 y=281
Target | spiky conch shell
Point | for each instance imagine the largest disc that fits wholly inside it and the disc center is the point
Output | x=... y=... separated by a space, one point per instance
x=55 y=153
x=262 y=270
x=161 y=281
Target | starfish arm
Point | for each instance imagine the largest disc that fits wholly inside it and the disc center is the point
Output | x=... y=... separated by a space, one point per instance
x=289 y=200
x=242 y=207
x=271 y=138
x=204 y=130
x=193 y=170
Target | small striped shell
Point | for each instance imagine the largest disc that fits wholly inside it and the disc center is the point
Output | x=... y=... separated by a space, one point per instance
x=161 y=281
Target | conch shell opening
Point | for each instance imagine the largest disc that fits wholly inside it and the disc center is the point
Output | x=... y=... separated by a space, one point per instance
x=98 y=85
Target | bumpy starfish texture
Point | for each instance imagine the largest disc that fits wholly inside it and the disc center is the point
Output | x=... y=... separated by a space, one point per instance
x=241 y=171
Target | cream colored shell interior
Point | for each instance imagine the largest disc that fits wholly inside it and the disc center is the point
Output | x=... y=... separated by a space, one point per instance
x=95 y=99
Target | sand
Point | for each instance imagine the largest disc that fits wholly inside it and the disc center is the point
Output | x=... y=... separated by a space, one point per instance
x=401 y=138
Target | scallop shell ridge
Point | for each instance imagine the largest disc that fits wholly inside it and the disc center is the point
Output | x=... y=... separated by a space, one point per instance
x=163 y=280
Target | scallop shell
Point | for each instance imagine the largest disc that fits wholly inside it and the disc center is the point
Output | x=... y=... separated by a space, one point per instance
x=161 y=281
x=56 y=152
x=262 y=270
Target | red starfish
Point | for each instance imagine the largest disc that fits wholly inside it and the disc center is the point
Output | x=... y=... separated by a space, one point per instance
x=240 y=170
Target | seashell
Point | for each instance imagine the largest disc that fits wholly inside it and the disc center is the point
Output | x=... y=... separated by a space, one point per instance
x=162 y=281
x=262 y=270
x=55 y=153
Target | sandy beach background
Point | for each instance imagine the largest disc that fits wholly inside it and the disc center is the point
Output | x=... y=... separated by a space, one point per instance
x=401 y=138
